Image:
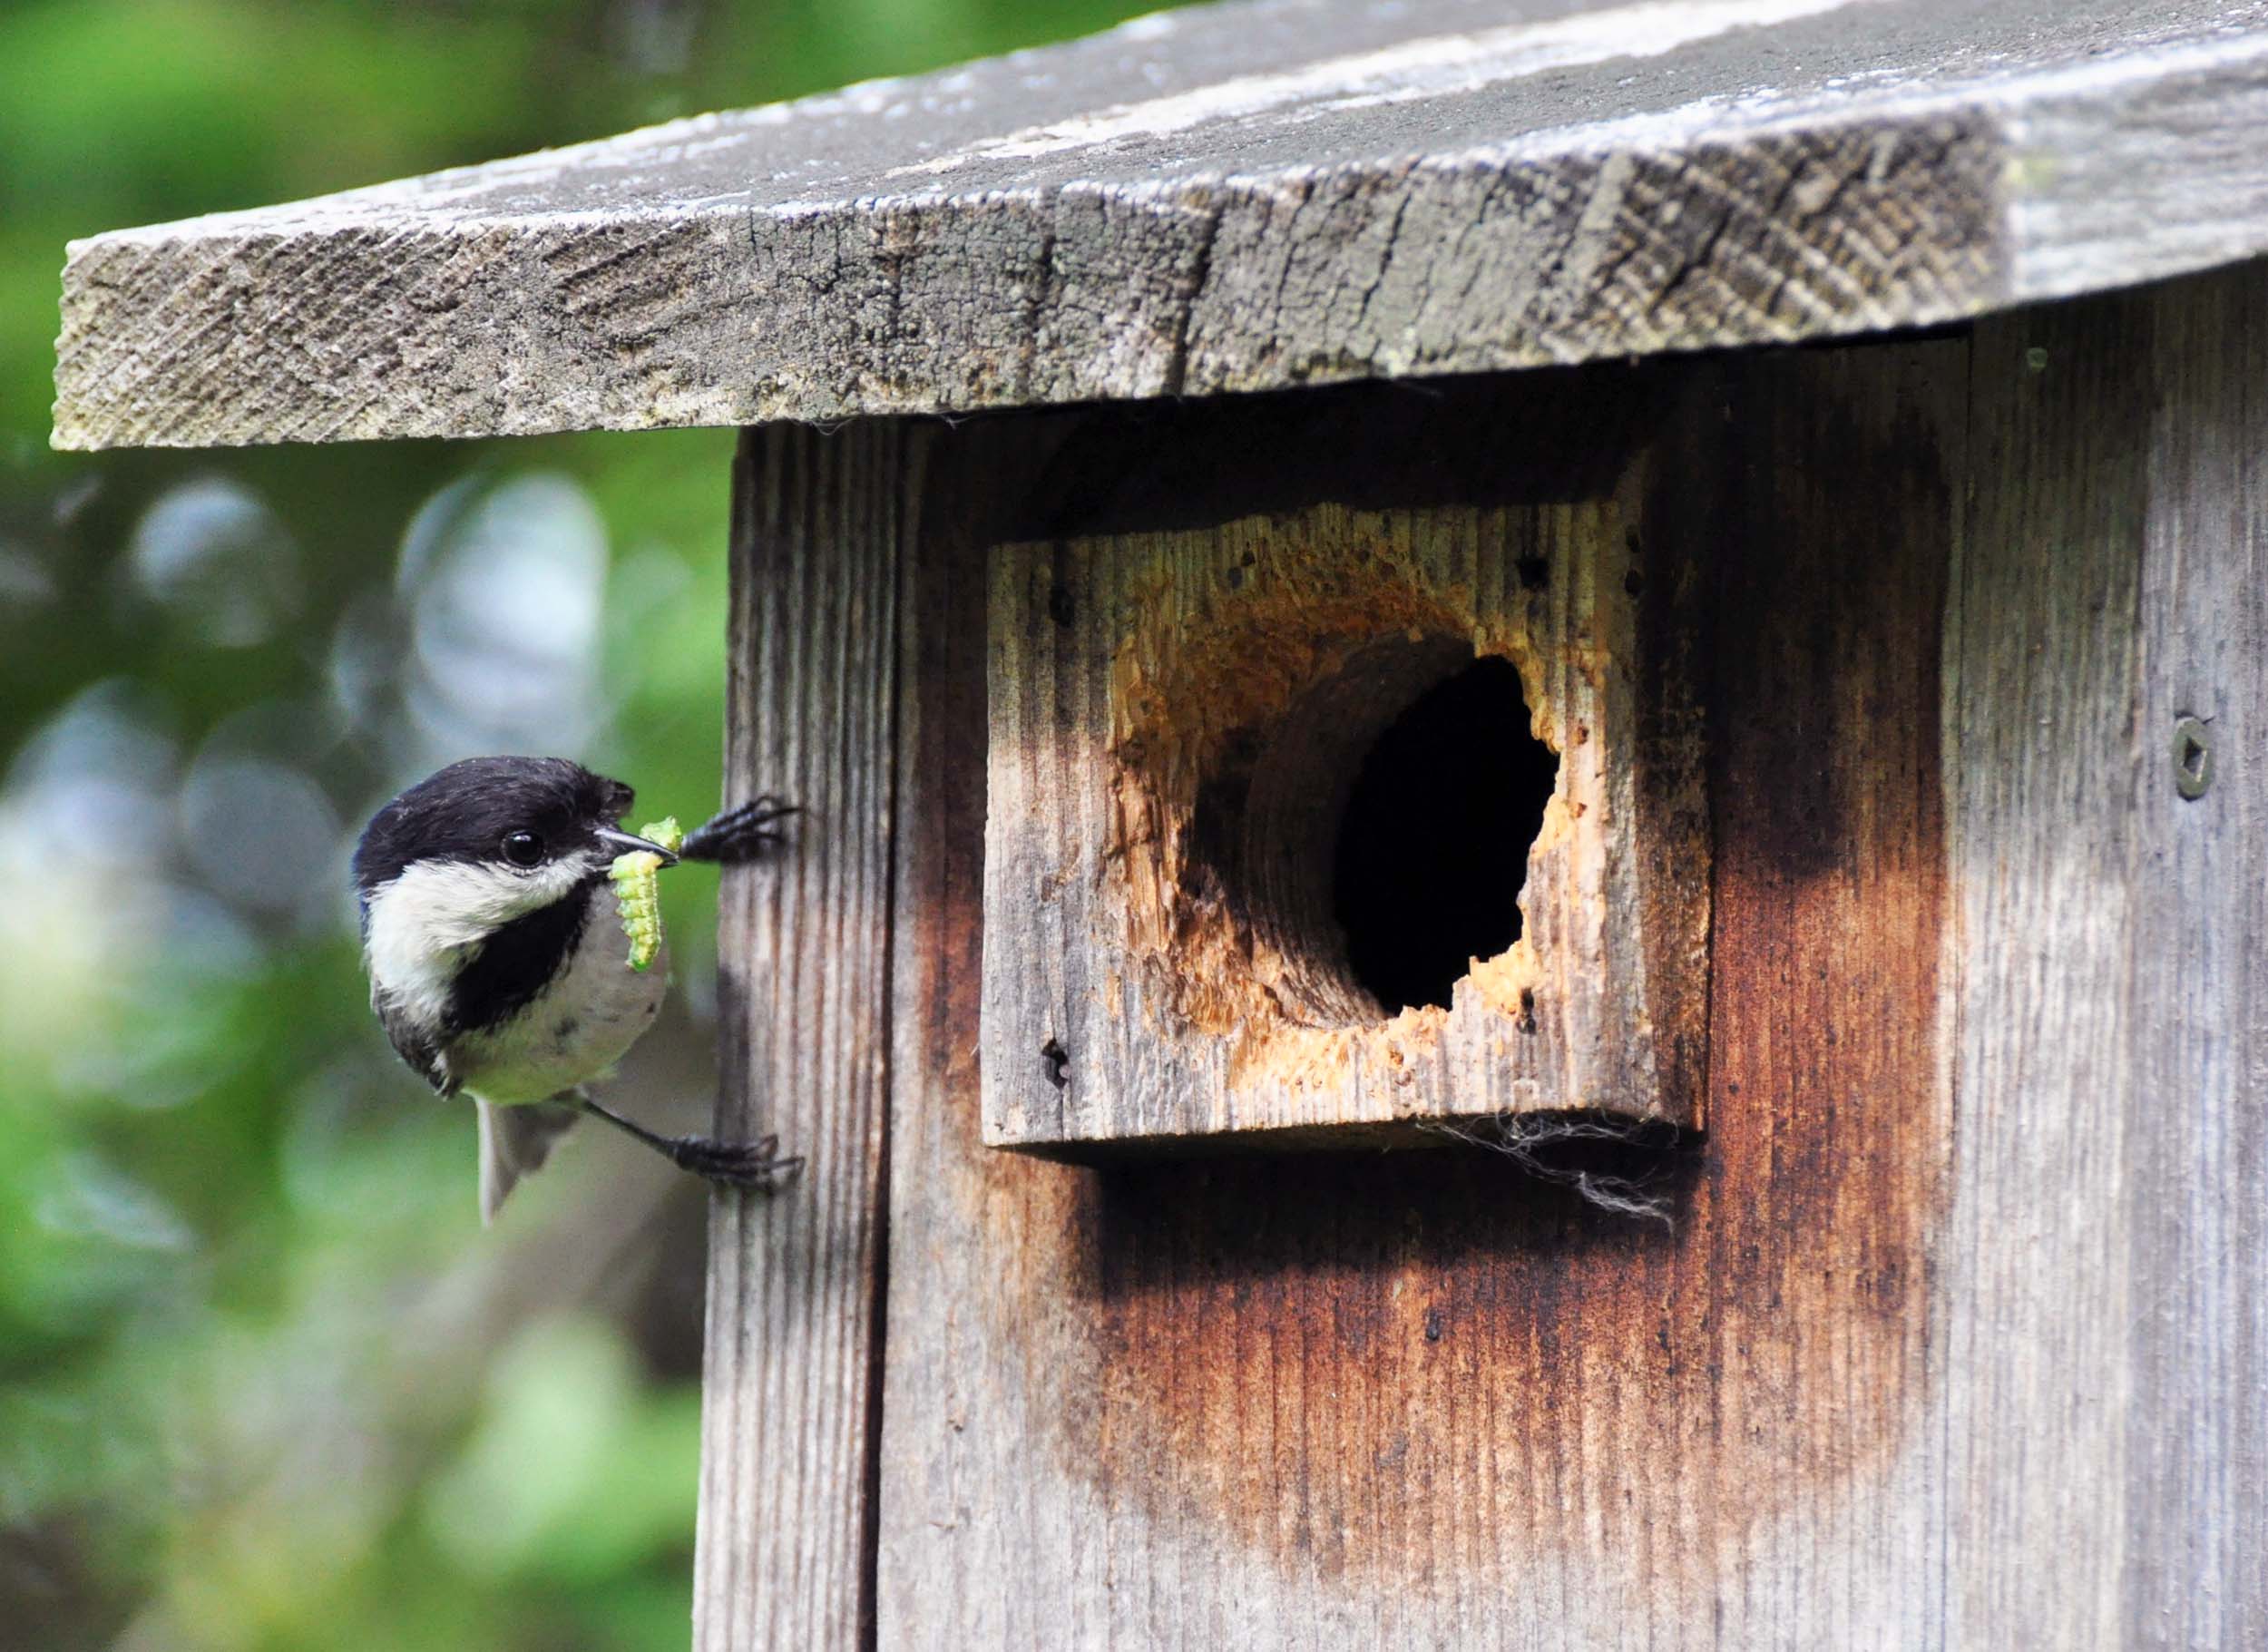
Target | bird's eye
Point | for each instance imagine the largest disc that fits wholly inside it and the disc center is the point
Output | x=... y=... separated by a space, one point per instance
x=523 y=849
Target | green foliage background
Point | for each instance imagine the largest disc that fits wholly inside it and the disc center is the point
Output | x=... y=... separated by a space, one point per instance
x=263 y=1381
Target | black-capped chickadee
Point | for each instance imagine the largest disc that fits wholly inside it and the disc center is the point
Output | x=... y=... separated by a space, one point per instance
x=497 y=959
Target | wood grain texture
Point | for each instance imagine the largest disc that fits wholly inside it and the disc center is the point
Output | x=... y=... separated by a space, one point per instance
x=1178 y=721
x=2043 y=767
x=1232 y=198
x=794 y=1334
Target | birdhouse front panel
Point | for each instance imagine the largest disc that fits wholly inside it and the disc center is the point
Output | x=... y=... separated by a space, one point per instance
x=1342 y=823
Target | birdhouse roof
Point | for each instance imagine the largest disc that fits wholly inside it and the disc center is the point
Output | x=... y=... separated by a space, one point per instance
x=1230 y=197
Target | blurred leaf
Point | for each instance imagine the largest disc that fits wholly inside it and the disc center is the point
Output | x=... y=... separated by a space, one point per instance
x=573 y=1469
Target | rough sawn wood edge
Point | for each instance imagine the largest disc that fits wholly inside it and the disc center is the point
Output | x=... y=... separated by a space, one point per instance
x=1683 y=230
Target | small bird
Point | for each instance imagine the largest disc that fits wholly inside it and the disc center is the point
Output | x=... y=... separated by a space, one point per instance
x=497 y=961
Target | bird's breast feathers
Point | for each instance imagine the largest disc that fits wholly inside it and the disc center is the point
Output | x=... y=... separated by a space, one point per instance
x=582 y=1022
x=577 y=1012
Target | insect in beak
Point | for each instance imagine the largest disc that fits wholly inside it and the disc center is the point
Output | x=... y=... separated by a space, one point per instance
x=623 y=843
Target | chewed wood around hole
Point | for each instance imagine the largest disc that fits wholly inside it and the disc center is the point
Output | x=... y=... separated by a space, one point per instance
x=1430 y=850
x=1378 y=832
x=1331 y=827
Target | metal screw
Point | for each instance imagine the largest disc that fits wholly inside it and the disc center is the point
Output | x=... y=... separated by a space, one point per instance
x=2193 y=758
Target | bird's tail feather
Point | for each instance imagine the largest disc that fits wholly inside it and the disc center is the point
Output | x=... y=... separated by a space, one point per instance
x=515 y=1143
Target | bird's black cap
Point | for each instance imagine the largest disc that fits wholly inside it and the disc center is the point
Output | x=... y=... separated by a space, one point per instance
x=464 y=812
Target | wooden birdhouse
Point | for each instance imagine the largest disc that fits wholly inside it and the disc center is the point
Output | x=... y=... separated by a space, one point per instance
x=1575 y=698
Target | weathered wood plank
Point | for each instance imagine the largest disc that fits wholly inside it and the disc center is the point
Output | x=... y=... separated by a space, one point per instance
x=2042 y=773
x=1231 y=197
x=1822 y=493
x=959 y=1215
x=1412 y=1400
x=2196 y=1141
x=1180 y=721
x=794 y=1334
x=2106 y=1327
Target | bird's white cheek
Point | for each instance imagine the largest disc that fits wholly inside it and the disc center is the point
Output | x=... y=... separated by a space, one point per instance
x=434 y=906
x=421 y=923
x=413 y=947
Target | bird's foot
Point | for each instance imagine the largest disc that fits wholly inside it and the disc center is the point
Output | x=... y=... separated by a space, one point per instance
x=747 y=833
x=755 y=1165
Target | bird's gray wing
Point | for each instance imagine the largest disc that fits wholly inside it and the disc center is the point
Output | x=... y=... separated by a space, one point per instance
x=418 y=1047
x=515 y=1143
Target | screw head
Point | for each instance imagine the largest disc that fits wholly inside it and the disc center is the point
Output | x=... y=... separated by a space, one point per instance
x=2193 y=758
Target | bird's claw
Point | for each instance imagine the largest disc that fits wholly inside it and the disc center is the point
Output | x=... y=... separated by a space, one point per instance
x=755 y=1165
x=745 y=832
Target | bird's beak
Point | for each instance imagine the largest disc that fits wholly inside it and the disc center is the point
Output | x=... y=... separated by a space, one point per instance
x=623 y=843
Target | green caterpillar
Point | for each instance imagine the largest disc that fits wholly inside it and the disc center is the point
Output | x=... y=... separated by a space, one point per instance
x=638 y=893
